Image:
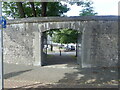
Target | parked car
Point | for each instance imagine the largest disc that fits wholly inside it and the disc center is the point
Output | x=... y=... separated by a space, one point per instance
x=69 y=47
x=72 y=47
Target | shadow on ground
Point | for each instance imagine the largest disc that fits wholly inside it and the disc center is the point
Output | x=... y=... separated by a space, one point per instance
x=13 y=74
x=59 y=60
x=85 y=78
x=94 y=76
x=104 y=77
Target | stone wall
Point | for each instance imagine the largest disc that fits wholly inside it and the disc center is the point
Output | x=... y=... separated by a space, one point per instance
x=104 y=49
x=23 y=40
x=18 y=43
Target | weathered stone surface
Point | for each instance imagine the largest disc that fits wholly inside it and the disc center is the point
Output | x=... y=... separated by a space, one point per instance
x=104 y=50
x=23 y=39
x=18 y=44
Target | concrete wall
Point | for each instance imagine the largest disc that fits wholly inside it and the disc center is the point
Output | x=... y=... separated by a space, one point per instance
x=23 y=39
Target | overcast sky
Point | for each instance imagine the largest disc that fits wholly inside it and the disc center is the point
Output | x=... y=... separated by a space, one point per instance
x=102 y=7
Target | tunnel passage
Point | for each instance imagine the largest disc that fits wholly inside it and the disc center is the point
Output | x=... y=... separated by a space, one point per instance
x=23 y=39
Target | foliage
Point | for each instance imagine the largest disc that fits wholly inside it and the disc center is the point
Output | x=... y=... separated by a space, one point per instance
x=56 y=9
x=10 y=9
x=65 y=36
x=87 y=10
x=53 y=9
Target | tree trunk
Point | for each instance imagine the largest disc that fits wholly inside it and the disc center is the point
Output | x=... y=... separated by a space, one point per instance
x=51 y=42
x=44 y=9
x=21 y=9
x=76 y=49
x=51 y=47
x=33 y=9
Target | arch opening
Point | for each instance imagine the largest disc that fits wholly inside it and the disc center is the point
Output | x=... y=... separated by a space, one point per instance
x=61 y=47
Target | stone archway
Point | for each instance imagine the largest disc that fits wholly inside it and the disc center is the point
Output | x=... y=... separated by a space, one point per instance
x=23 y=37
x=53 y=25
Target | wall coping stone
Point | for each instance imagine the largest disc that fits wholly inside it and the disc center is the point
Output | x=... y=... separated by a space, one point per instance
x=62 y=19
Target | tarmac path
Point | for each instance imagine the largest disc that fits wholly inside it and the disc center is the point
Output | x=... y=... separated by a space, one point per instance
x=59 y=72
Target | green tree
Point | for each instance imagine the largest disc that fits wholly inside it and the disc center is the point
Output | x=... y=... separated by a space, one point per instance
x=33 y=9
x=88 y=9
x=65 y=36
x=20 y=9
x=56 y=9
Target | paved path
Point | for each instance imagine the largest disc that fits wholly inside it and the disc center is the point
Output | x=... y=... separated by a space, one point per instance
x=55 y=70
x=64 y=72
x=66 y=60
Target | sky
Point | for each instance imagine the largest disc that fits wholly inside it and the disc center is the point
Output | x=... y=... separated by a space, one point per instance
x=102 y=7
